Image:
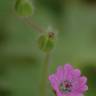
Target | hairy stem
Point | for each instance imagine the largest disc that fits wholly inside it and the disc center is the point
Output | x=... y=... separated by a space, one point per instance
x=28 y=20
x=43 y=87
x=34 y=25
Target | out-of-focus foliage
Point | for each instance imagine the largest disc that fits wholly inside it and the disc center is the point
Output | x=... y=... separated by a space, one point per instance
x=21 y=61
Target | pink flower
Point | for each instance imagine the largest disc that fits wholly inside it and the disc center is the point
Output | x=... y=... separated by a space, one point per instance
x=68 y=81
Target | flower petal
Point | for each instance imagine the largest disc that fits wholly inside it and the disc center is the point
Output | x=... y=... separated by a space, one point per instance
x=53 y=82
x=77 y=72
x=76 y=94
x=81 y=84
x=68 y=71
x=83 y=88
x=60 y=94
x=83 y=80
x=59 y=74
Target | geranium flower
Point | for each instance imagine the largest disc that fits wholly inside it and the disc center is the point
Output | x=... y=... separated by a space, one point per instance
x=68 y=81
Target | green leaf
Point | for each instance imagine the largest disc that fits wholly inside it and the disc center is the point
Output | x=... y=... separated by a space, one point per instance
x=23 y=7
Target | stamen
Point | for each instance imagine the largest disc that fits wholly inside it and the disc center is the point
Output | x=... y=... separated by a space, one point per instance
x=51 y=34
x=66 y=86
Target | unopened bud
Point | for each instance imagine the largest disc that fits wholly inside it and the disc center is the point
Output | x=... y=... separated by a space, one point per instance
x=46 y=42
x=23 y=7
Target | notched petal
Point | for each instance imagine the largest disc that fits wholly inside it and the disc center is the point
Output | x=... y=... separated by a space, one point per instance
x=68 y=66
x=68 y=71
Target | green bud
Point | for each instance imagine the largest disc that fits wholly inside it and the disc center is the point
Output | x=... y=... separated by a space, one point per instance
x=46 y=42
x=23 y=7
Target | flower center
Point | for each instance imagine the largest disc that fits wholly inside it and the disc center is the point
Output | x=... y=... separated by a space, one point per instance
x=66 y=87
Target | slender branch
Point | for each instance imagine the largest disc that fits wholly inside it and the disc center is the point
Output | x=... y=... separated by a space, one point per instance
x=28 y=20
x=32 y=23
x=43 y=87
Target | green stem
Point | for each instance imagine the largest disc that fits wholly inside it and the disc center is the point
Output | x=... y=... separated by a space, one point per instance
x=34 y=25
x=43 y=87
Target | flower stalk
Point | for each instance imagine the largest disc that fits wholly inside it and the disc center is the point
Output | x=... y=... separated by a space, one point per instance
x=43 y=87
x=34 y=25
x=24 y=9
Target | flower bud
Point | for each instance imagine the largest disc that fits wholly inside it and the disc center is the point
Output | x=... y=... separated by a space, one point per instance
x=23 y=7
x=46 y=42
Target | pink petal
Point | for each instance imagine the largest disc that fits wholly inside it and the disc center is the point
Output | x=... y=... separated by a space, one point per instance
x=83 y=80
x=68 y=71
x=53 y=82
x=68 y=66
x=77 y=72
x=75 y=85
x=80 y=95
x=59 y=74
x=59 y=94
x=83 y=88
x=75 y=94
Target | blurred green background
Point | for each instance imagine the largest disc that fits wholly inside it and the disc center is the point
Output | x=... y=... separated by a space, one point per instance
x=21 y=61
